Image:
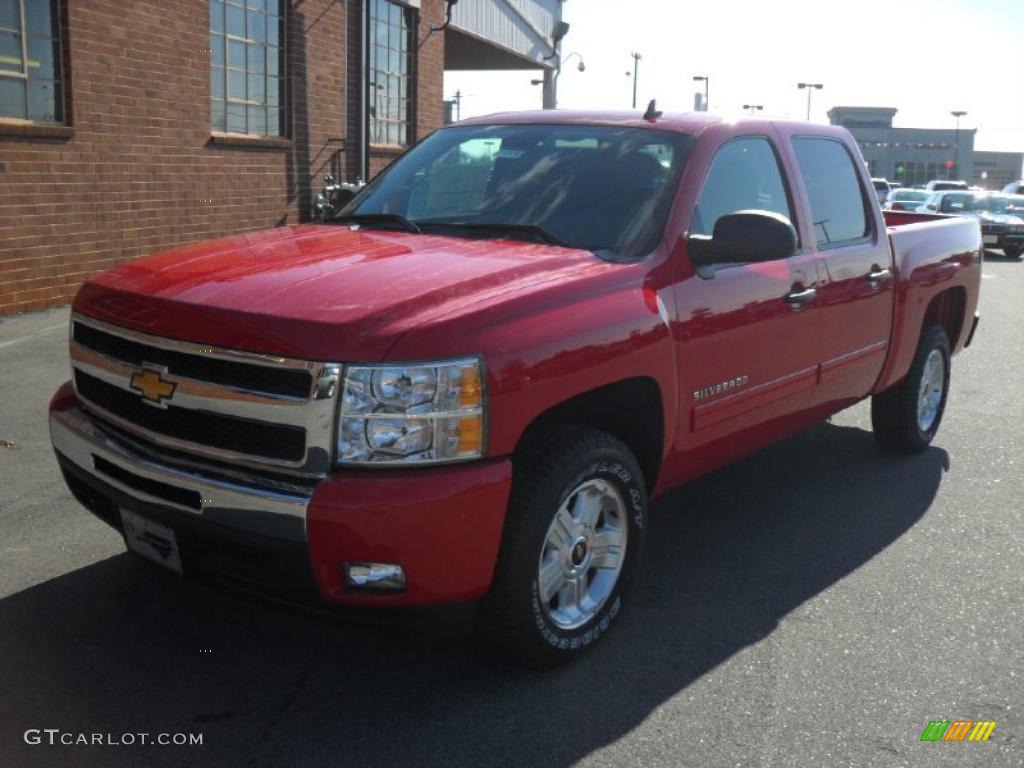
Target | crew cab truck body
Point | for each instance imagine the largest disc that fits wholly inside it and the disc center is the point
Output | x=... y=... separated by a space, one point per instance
x=429 y=401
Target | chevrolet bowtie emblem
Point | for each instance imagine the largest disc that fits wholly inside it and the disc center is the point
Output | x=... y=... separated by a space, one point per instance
x=151 y=385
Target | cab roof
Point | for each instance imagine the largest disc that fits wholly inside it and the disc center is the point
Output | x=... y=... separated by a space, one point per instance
x=681 y=122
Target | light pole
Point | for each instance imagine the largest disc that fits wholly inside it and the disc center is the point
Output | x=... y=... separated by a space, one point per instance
x=558 y=71
x=707 y=85
x=457 y=98
x=751 y=108
x=809 y=87
x=636 y=66
x=957 y=113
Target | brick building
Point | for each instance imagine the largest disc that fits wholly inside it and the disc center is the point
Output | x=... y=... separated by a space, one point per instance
x=128 y=126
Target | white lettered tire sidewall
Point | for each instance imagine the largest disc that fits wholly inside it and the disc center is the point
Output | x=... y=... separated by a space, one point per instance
x=630 y=485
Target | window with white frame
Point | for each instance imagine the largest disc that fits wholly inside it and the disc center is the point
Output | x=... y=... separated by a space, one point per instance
x=390 y=70
x=31 y=71
x=247 y=66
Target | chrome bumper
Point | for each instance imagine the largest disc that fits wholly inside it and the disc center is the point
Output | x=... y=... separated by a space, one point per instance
x=242 y=507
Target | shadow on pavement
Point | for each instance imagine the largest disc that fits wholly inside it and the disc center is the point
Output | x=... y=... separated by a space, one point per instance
x=119 y=646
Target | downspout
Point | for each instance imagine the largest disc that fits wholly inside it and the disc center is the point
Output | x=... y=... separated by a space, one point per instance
x=364 y=97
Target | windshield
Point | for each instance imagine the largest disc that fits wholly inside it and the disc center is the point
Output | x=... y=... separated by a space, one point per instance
x=601 y=188
x=989 y=203
x=959 y=201
x=909 y=194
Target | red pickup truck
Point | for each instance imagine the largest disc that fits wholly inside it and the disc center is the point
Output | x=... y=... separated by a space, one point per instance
x=470 y=385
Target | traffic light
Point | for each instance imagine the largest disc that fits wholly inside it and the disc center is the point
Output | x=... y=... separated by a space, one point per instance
x=949 y=165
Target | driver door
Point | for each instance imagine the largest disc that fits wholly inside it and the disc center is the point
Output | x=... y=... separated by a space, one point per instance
x=749 y=334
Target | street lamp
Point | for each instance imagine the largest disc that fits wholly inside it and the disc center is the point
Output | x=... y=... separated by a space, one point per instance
x=751 y=108
x=636 y=66
x=707 y=84
x=809 y=87
x=558 y=71
x=957 y=113
x=581 y=66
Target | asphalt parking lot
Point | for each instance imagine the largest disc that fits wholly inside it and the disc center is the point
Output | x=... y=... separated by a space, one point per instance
x=816 y=604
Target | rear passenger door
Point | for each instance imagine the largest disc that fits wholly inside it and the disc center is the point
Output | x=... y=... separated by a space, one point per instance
x=855 y=295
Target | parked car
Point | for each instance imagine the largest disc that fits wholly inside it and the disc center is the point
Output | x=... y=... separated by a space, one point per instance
x=904 y=199
x=1002 y=222
x=952 y=201
x=1001 y=217
x=882 y=189
x=1014 y=188
x=473 y=382
x=937 y=185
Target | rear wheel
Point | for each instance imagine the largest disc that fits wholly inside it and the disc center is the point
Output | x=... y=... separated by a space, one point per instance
x=906 y=417
x=572 y=539
x=1013 y=251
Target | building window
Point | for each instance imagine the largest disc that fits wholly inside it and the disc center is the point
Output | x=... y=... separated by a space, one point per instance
x=30 y=60
x=390 y=43
x=922 y=173
x=247 y=66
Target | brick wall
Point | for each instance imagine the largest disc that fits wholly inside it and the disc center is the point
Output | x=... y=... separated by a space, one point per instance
x=134 y=171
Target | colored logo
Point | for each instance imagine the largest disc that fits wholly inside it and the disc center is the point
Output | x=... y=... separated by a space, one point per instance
x=152 y=386
x=958 y=730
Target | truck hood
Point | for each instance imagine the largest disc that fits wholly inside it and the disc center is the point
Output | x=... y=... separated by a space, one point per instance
x=1000 y=218
x=318 y=291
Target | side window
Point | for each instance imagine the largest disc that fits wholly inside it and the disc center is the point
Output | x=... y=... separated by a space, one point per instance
x=837 y=205
x=744 y=175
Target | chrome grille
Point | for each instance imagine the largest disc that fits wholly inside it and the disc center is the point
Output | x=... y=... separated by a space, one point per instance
x=250 y=410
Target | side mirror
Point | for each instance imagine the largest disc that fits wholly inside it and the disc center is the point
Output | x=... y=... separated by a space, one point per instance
x=742 y=237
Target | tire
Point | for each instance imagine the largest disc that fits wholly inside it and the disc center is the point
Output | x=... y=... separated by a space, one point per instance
x=535 y=615
x=903 y=421
x=1012 y=251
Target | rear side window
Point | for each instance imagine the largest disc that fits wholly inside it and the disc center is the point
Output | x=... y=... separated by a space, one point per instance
x=837 y=204
x=743 y=176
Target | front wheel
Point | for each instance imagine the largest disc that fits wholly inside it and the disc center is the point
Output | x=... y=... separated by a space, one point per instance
x=1012 y=251
x=572 y=539
x=906 y=417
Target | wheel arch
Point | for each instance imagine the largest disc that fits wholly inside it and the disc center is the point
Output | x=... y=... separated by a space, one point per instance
x=947 y=310
x=630 y=409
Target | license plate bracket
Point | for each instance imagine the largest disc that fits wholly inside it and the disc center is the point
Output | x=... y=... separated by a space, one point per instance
x=151 y=540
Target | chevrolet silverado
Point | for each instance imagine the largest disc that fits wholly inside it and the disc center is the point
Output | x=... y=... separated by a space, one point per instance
x=472 y=382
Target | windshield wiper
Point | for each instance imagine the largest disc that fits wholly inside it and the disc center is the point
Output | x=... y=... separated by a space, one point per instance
x=533 y=232
x=379 y=220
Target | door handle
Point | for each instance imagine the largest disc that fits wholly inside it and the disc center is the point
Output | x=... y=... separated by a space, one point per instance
x=877 y=275
x=800 y=295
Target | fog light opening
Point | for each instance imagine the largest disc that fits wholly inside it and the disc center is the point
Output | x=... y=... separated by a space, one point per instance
x=386 y=576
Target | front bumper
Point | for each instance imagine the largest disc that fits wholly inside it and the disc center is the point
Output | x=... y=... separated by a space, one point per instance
x=999 y=239
x=442 y=524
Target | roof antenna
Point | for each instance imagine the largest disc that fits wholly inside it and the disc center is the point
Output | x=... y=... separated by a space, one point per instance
x=652 y=112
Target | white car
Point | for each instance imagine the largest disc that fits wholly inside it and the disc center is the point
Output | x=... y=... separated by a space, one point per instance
x=882 y=188
x=938 y=185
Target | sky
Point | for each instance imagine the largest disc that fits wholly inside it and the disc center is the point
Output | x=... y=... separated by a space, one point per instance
x=924 y=57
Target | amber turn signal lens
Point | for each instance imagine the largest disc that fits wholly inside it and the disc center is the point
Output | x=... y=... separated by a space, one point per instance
x=471 y=435
x=470 y=389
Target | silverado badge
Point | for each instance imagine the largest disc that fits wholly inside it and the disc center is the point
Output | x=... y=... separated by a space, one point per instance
x=154 y=389
x=717 y=389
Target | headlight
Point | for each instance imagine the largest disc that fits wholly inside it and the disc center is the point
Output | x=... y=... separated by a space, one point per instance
x=409 y=414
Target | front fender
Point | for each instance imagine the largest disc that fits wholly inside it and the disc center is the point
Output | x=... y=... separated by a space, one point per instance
x=556 y=341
